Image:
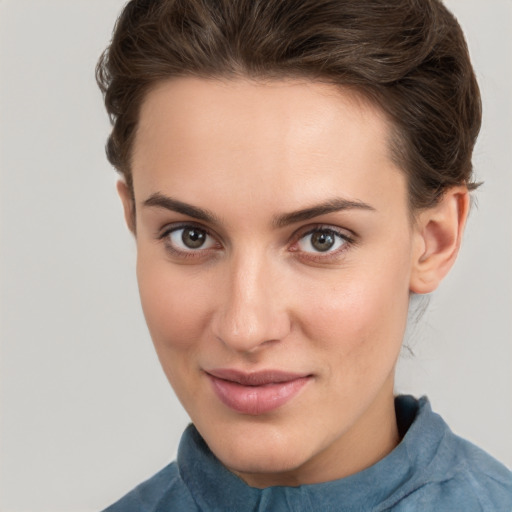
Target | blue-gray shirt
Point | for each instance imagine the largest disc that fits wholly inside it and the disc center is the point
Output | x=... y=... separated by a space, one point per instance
x=431 y=469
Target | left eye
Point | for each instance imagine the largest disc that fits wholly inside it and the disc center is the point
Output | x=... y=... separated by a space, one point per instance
x=190 y=238
x=321 y=240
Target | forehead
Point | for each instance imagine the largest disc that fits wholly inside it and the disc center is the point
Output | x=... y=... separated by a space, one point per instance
x=278 y=110
x=301 y=137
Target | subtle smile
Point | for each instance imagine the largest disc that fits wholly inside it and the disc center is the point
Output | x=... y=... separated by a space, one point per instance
x=256 y=393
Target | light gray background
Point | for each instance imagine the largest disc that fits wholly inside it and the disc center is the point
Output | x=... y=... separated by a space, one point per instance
x=86 y=410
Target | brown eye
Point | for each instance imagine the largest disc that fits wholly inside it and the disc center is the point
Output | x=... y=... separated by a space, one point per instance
x=322 y=240
x=193 y=238
x=189 y=239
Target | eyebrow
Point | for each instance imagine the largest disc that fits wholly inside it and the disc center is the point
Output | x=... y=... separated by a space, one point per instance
x=160 y=201
x=331 y=206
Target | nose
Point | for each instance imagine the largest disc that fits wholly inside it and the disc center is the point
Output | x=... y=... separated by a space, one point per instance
x=251 y=310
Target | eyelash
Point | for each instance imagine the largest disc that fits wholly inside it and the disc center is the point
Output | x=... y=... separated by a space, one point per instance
x=328 y=255
x=185 y=254
x=319 y=256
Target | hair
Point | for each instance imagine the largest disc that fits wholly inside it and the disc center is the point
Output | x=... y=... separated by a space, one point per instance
x=408 y=57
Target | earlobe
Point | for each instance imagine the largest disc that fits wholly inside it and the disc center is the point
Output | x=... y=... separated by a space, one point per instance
x=438 y=235
x=128 y=204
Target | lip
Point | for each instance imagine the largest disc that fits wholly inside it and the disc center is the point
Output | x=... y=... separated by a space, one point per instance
x=256 y=392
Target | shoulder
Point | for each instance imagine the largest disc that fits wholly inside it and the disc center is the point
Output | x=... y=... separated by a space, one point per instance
x=457 y=475
x=477 y=483
x=166 y=485
x=478 y=478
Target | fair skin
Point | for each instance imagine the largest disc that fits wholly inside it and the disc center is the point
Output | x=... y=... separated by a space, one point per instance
x=232 y=277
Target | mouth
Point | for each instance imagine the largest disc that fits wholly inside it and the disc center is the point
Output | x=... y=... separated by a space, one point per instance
x=256 y=393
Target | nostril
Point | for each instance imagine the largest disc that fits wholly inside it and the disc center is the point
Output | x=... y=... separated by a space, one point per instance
x=242 y=343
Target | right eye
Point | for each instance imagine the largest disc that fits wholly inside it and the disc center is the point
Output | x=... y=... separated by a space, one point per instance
x=188 y=239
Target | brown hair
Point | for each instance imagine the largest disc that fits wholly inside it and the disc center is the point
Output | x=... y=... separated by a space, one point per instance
x=407 y=56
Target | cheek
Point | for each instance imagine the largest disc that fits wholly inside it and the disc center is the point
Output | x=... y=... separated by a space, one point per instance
x=176 y=313
x=175 y=310
x=360 y=320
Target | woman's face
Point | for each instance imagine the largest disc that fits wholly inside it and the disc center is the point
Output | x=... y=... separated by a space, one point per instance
x=274 y=263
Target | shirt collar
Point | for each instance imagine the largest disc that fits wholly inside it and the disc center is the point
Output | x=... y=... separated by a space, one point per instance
x=214 y=487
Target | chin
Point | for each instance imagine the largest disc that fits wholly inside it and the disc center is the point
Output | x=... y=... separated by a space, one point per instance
x=257 y=449
x=263 y=460
x=265 y=469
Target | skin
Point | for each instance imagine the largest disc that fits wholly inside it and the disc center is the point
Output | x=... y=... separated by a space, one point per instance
x=258 y=295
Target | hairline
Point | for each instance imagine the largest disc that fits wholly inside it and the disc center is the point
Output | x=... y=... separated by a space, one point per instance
x=395 y=137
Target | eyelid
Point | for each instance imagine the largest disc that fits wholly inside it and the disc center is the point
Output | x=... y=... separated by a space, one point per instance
x=349 y=236
x=346 y=234
x=349 y=241
x=164 y=233
x=174 y=226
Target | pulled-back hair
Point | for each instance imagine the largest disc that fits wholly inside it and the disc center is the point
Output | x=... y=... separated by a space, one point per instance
x=409 y=57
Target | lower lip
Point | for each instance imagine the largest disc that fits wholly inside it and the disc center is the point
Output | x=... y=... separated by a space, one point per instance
x=256 y=400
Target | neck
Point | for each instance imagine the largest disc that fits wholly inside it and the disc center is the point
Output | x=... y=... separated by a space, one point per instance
x=373 y=436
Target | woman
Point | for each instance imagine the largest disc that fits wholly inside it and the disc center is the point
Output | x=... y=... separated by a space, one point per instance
x=293 y=172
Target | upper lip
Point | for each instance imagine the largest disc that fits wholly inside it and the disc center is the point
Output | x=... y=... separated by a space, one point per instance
x=259 y=378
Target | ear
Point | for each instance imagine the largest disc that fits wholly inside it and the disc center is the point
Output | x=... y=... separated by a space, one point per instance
x=128 y=204
x=437 y=238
